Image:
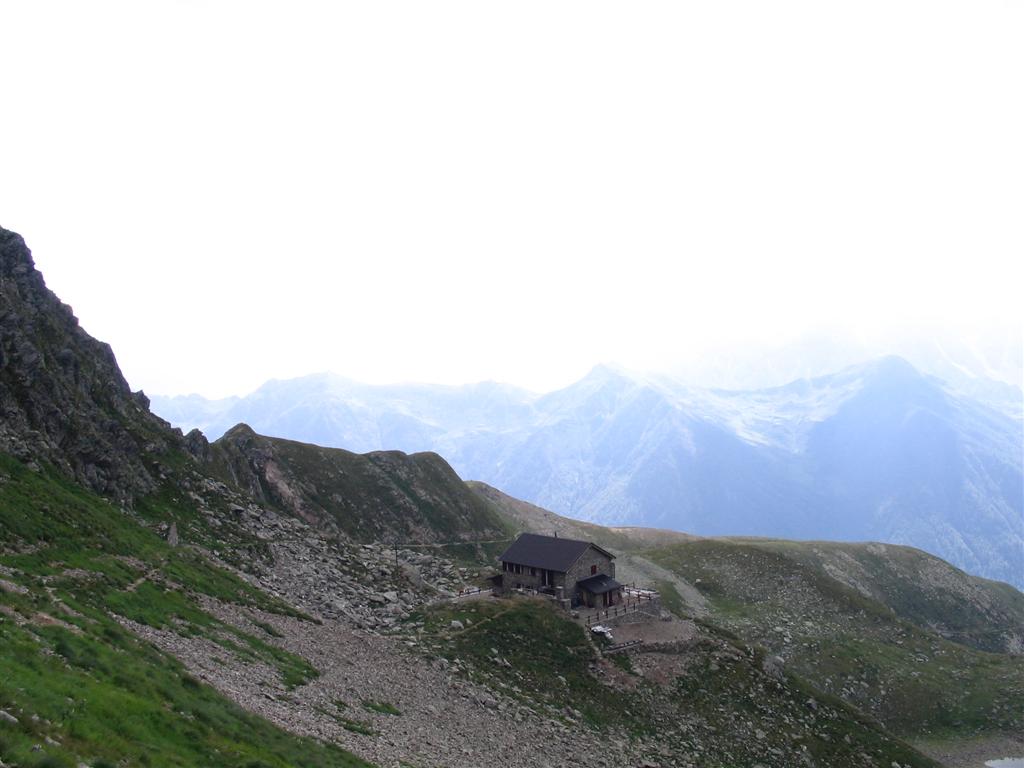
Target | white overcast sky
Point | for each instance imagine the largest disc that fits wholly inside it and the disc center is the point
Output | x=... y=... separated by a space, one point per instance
x=454 y=191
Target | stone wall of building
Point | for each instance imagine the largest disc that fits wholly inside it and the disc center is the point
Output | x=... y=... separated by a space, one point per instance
x=590 y=563
x=529 y=578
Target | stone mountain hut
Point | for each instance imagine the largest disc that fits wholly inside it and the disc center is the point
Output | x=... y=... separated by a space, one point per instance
x=578 y=571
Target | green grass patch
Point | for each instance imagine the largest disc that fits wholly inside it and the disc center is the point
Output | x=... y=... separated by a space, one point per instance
x=381 y=707
x=294 y=669
x=99 y=693
x=100 y=561
x=348 y=723
x=356 y=726
x=104 y=695
x=549 y=659
x=269 y=629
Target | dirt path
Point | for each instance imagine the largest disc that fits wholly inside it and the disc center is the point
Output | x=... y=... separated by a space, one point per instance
x=468 y=628
x=637 y=568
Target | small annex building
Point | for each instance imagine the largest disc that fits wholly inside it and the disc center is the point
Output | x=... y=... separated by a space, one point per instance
x=579 y=572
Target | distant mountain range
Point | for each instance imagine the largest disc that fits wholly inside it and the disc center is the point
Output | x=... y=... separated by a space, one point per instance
x=877 y=451
x=260 y=601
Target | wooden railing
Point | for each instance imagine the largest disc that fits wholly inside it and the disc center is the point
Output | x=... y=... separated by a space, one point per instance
x=470 y=591
x=631 y=605
x=644 y=594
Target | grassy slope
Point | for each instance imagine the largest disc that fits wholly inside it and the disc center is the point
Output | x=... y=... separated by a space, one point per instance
x=709 y=712
x=853 y=645
x=881 y=646
x=84 y=688
x=539 y=644
x=920 y=588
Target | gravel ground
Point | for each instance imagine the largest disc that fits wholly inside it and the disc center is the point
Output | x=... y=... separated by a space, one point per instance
x=444 y=720
x=672 y=631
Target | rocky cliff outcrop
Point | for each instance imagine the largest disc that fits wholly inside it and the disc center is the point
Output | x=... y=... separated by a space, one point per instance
x=379 y=496
x=63 y=400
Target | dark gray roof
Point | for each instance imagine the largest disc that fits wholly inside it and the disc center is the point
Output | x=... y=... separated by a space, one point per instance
x=548 y=552
x=598 y=585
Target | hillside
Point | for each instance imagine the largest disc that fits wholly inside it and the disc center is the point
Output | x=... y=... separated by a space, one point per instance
x=380 y=496
x=919 y=588
x=877 y=451
x=79 y=685
x=242 y=603
x=927 y=649
x=62 y=395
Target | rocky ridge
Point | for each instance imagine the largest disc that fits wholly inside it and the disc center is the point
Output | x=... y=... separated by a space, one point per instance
x=379 y=496
x=63 y=399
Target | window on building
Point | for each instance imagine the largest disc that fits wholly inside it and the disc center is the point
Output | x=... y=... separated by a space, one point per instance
x=533 y=571
x=593 y=570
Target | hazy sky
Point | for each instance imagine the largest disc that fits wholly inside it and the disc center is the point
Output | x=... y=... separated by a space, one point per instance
x=452 y=191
